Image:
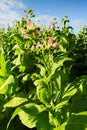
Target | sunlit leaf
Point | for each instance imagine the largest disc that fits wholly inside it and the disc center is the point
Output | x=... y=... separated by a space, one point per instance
x=17 y=100
x=43 y=92
x=28 y=114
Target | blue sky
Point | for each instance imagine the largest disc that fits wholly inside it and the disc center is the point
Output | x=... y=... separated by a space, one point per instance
x=45 y=10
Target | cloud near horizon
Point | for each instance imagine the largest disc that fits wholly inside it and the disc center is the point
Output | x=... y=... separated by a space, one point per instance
x=79 y=23
x=9 y=11
x=45 y=19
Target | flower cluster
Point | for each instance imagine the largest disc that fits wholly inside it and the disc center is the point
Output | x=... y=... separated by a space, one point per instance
x=22 y=31
x=30 y=25
x=31 y=30
x=38 y=45
x=52 y=43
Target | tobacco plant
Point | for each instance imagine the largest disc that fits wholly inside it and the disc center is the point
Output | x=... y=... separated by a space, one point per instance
x=43 y=76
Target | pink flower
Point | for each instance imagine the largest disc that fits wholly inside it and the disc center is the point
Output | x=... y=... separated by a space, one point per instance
x=37 y=31
x=52 y=26
x=38 y=45
x=33 y=47
x=50 y=40
x=28 y=23
x=55 y=45
x=25 y=36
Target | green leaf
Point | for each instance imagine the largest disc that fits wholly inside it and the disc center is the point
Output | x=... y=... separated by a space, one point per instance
x=80 y=103
x=17 y=100
x=42 y=70
x=66 y=126
x=43 y=121
x=8 y=85
x=26 y=77
x=35 y=76
x=61 y=104
x=57 y=63
x=22 y=68
x=17 y=61
x=63 y=59
x=75 y=122
x=62 y=127
x=4 y=87
x=2 y=80
x=78 y=118
x=2 y=64
x=70 y=93
x=61 y=79
x=53 y=119
x=8 y=68
x=28 y=114
x=5 y=69
x=2 y=102
x=43 y=92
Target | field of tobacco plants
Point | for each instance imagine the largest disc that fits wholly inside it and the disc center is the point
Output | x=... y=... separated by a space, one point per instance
x=43 y=76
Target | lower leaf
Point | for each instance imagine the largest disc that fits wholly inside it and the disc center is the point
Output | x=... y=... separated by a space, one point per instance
x=28 y=114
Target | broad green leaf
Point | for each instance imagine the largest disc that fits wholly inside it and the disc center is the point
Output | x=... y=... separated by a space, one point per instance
x=53 y=119
x=58 y=62
x=42 y=70
x=75 y=122
x=43 y=92
x=62 y=127
x=61 y=79
x=79 y=82
x=8 y=68
x=66 y=126
x=80 y=103
x=17 y=100
x=43 y=121
x=17 y=61
x=28 y=114
x=5 y=69
x=2 y=102
x=2 y=64
x=2 y=80
x=78 y=118
x=62 y=60
x=8 y=83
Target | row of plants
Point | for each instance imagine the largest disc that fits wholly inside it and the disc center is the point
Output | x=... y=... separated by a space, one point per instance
x=43 y=76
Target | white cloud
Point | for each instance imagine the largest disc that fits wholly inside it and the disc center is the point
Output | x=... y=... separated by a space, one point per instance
x=79 y=23
x=9 y=11
x=45 y=19
x=9 y=4
x=9 y=18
